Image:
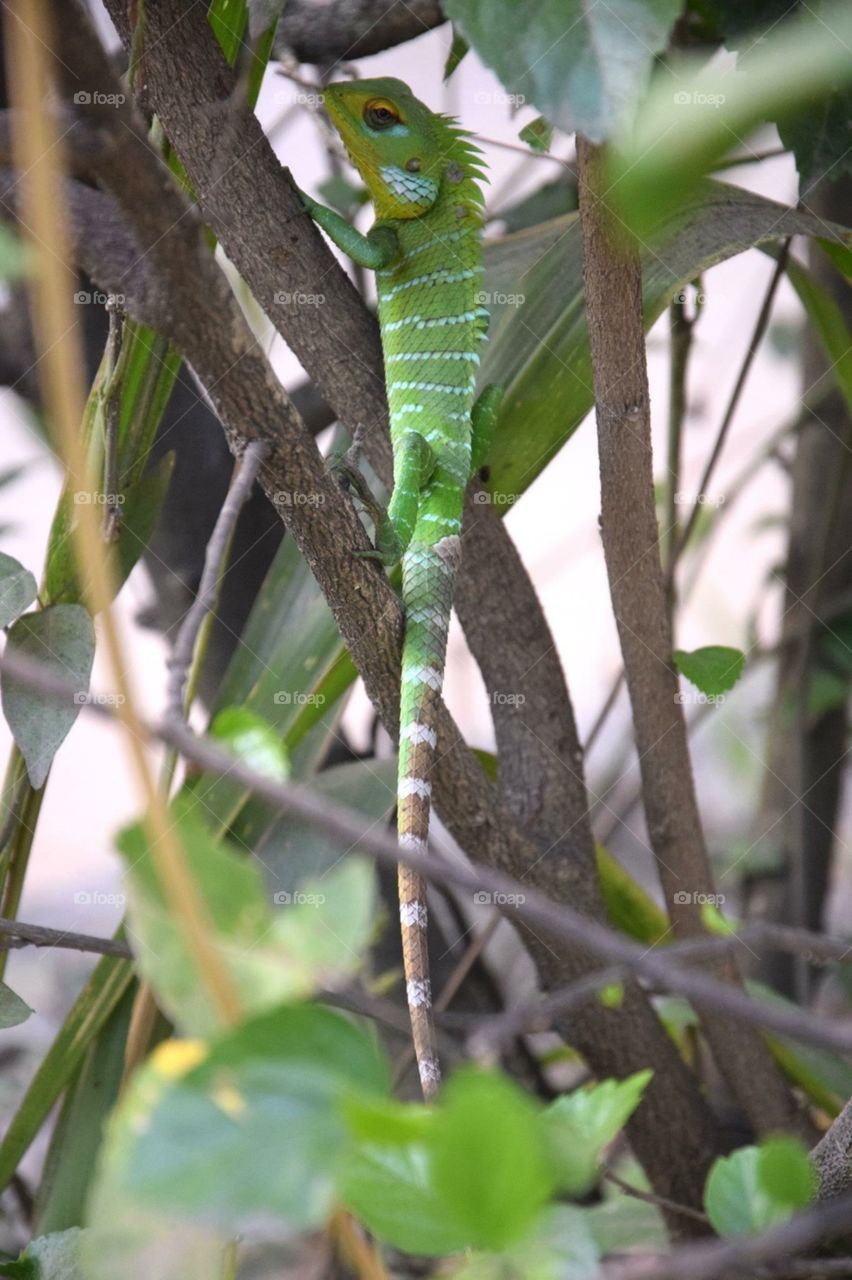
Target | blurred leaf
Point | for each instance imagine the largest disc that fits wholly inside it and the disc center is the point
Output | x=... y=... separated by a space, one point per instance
x=623 y=1223
x=584 y=66
x=55 y=1256
x=829 y=323
x=758 y=1186
x=489 y=1158
x=18 y=589
x=15 y=257
x=343 y=195
x=13 y=1010
x=538 y=346
x=62 y=639
x=551 y=200
x=391 y=1188
x=254 y=1132
x=656 y=166
x=562 y=1246
x=458 y=50
x=91 y=1010
x=538 y=135
x=630 y=908
x=713 y=669
x=278 y=947
x=580 y=1125
x=252 y=740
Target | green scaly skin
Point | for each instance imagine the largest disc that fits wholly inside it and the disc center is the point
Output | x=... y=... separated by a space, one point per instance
x=425 y=247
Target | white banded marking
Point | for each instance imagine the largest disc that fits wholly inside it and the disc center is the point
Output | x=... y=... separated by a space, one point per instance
x=417 y=732
x=414 y=914
x=430 y=676
x=413 y=843
x=434 y=322
x=473 y=356
x=414 y=787
x=440 y=276
x=418 y=993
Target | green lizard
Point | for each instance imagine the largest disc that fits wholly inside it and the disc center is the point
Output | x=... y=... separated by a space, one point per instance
x=422 y=174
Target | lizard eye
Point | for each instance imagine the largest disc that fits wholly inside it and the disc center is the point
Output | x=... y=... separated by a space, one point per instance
x=380 y=115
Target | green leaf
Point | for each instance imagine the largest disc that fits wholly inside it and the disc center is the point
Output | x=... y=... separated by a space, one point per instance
x=562 y=1246
x=15 y=258
x=829 y=323
x=255 y=1130
x=490 y=1160
x=458 y=50
x=55 y=1256
x=551 y=200
x=62 y=639
x=584 y=66
x=252 y=740
x=818 y=136
x=630 y=907
x=390 y=1187
x=758 y=1186
x=538 y=347
x=694 y=114
x=107 y=984
x=13 y=1010
x=713 y=669
x=538 y=135
x=280 y=946
x=579 y=1125
x=18 y=589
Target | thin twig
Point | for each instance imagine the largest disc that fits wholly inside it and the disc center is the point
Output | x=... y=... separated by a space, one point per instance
x=661 y=1202
x=14 y=934
x=205 y=599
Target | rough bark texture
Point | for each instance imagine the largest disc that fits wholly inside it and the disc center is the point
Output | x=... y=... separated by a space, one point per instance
x=612 y=277
x=345 y=29
x=805 y=753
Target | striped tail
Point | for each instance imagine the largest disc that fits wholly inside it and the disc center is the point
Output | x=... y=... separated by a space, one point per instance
x=428 y=572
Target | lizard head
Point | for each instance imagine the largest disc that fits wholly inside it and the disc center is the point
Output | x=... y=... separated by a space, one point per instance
x=402 y=150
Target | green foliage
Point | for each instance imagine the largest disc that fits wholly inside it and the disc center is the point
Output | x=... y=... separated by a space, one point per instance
x=276 y=946
x=55 y=1256
x=13 y=1010
x=14 y=256
x=252 y=740
x=458 y=50
x=538 y=135
x=62 y=639
x=589 y=81
x=17 y=589
x=714 y=669
x=758 y=1186
x=581 y=1124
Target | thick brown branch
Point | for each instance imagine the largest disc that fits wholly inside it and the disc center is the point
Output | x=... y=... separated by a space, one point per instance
x=613 y=287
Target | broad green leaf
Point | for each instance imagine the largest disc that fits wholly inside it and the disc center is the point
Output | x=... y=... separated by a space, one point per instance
x=580 y=1125
x=55 y=1256
x=13 y=1010
x=695 y=115
x=562 y=1246
x=714 y=669
x=583 y=66
x=254 y=1131
x=390 y=1187
x=62 y=639
x=107 y=984
x=757 y=1187
x=279 y=946
x=18 y=589
x=538 y=345
x=490 y=1160
x=252 y=740
x=538 y=135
